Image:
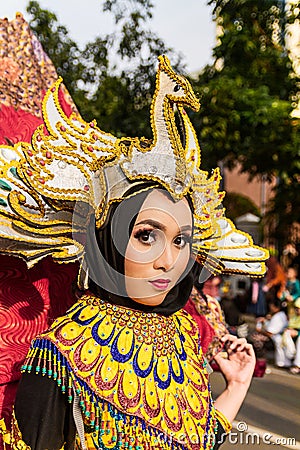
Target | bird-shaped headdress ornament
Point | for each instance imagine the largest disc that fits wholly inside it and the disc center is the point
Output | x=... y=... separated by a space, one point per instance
x=71 y=162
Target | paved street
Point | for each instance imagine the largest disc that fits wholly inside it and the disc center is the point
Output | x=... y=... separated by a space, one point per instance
x=270 y=413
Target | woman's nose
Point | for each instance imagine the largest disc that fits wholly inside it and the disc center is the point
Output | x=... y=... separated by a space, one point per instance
x=166 y=260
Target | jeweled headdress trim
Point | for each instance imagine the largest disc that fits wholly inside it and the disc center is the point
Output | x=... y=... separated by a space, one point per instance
x=70 y=161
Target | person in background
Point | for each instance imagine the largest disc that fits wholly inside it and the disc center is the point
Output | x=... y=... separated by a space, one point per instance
x=294 y=331
x=257 y=299
x=275 y=279
x=271 y=328
x=233 y=316
x=292 y=287
x=212 y=287
x=207 y=312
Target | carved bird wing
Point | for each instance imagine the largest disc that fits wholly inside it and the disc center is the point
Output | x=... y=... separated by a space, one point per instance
x=42 y=181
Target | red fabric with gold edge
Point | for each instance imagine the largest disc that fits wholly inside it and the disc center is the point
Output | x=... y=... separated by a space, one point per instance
x=29 y=299
x=17 y=125
x=206 y=330
x=29 y=302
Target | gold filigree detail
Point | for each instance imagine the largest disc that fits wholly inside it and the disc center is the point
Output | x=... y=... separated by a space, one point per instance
x=72 y=161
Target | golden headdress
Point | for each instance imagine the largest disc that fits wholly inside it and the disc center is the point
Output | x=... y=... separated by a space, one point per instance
x=70 y=162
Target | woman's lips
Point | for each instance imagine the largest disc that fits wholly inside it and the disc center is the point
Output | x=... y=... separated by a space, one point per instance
x=160 y=284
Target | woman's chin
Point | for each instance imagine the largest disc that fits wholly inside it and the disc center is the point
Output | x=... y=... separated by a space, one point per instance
x=150 y=301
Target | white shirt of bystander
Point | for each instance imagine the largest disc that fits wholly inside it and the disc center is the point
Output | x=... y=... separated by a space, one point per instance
x=277 y=323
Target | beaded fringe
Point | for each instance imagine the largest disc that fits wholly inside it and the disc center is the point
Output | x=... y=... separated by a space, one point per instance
x=103 y=419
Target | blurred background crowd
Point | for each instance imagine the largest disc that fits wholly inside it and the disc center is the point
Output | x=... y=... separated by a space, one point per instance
x=265 y=311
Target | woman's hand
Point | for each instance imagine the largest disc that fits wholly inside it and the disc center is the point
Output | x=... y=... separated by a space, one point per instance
x=238 y=367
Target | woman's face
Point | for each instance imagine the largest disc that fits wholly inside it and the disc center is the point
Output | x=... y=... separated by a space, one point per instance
x=158 y=250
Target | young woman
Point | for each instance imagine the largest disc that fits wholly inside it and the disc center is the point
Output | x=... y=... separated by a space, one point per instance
x=124 y=367
x=127 y=350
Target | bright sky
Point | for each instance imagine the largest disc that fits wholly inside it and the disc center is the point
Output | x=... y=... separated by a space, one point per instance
x=186 y=26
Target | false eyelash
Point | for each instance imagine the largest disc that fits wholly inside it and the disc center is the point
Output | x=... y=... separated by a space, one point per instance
x=189 y=239
x=139 y=233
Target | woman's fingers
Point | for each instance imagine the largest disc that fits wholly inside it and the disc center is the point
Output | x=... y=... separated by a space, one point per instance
x=232 y=343
x=250 y=350
x=238 y=344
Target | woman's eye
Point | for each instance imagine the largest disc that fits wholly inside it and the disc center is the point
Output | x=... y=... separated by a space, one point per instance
x=182 y=240
x=145 y=236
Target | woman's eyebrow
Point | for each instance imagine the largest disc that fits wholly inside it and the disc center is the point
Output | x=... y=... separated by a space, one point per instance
x=186 y=228
x=152 y=223
x=160 y=226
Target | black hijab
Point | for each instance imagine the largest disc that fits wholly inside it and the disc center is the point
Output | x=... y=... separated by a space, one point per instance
x=105 y=250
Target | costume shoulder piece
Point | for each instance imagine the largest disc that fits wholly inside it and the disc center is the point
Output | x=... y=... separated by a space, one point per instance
x=133 y=371
x=71 y=168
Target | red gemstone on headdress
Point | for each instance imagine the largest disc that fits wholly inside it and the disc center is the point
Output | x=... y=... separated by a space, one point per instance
x=218 y=214
x=207 y=191
x=94 y=136
x=42 y=162
x=41 y=180
x=86 y=188
x=29 y=172
x=90 y=148
x=53 y=89
x=62 y=128
x=193 y=158
x=29 y=153
x=92 y=125
x=39 y=138
x=207 y=216
x=48 y=155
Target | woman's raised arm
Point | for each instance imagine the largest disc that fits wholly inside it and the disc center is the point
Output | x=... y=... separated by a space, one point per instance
x=237 y=370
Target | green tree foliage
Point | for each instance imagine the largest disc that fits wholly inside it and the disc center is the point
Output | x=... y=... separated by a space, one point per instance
x=248 y=95
x=63 y=51
x=247 y=102
x=122 y=100
x=237 y=205
x=118 y=99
